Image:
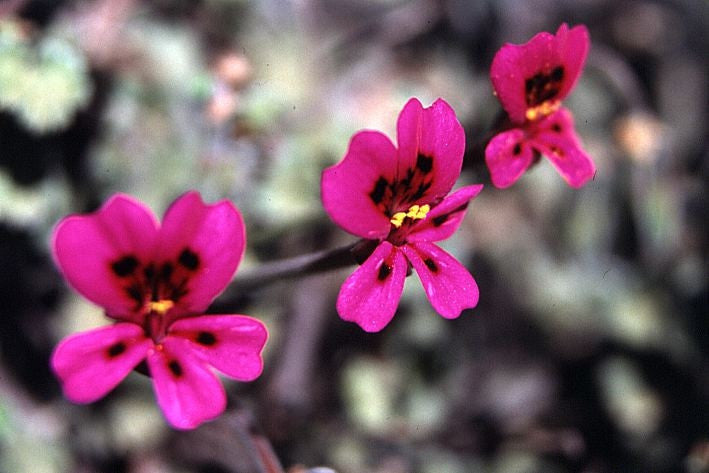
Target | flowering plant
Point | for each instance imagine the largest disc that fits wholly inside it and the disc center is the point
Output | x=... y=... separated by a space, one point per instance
x=155 y=280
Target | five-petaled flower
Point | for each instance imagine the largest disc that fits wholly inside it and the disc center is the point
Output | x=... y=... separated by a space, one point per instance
x=154 y=281
x=399 y=197
x=531 y=80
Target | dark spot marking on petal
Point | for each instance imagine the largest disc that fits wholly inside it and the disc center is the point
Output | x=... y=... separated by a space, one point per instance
x=206 y=338
x=443 y=218
x=420 y=191
x=177 y=291
x=405 y=182
x=188 y=259
x=175 y=368
x=124 y=266
x=377 y=194
x=440 y=220
x=384 y=272
x=151 y=282
x=517 y=149
x=543 y=86
x=424 y=163
x=116 y=349
x=135 y=292
x=557 y=74
x=431 y=265
x=166 y=271
x=556 y=127
x=149 y=272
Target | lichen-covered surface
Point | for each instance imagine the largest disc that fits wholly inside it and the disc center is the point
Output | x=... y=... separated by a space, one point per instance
x=588 y=348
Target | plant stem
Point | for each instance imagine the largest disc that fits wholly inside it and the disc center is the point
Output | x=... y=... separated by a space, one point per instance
x=301 y=265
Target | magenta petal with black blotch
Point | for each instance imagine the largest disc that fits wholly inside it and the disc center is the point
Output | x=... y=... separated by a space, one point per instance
x=371 y=294
x=430 y=139
x=205 y=243
x=187 y=390
x=556 y=138
x=230 y=343
x=448 y=285
x=90 y=364
x=445 y=218
x=355 y=191
x=96 y=251
x=508 y=155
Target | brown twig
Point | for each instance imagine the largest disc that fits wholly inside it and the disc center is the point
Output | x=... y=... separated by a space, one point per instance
x=301 y=265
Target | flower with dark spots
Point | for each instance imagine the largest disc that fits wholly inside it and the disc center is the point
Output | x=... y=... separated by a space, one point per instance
x=155 y=280
x=400 y=197
x=531 y=80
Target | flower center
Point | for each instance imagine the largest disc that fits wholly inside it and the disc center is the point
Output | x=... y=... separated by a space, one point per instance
x=542 y=110
x=156 y=288
x=541 y=92
x=160 y=307
x=409 y=186
x=156 y=323
x=415 y=212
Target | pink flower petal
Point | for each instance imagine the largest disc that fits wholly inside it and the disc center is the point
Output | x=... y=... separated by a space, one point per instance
x=187 y=391
x=449 y=286
x=512 y=65
x=573 y=45
x=86 y=248
x=409 y=127
x=205 y=244
x=557 y=140
x=370 y=295
x=90 y=364
x=445 y=218
x=508 y=155
x=230 y=343
x=515 y=67
x=431 y=141
x=357 y=190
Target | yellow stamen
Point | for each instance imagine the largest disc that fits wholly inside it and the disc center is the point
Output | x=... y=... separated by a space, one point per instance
x=415 y=212
x=397 y=219
x=418 y=213
x=160 y=307
x=543 y=109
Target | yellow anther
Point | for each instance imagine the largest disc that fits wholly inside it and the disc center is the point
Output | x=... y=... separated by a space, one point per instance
x=418 y=213
x=543 y=109
x=160 y=307
x=397 y=219
x=415 y=212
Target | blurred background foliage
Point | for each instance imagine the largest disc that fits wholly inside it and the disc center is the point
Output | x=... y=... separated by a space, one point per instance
x=588 y=351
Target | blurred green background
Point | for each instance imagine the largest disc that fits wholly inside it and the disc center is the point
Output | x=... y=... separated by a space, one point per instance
x=588 y=351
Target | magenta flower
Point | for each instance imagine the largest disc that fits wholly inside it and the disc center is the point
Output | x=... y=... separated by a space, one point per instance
x=531 y=80
x=400 y=198
x=155 y=281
